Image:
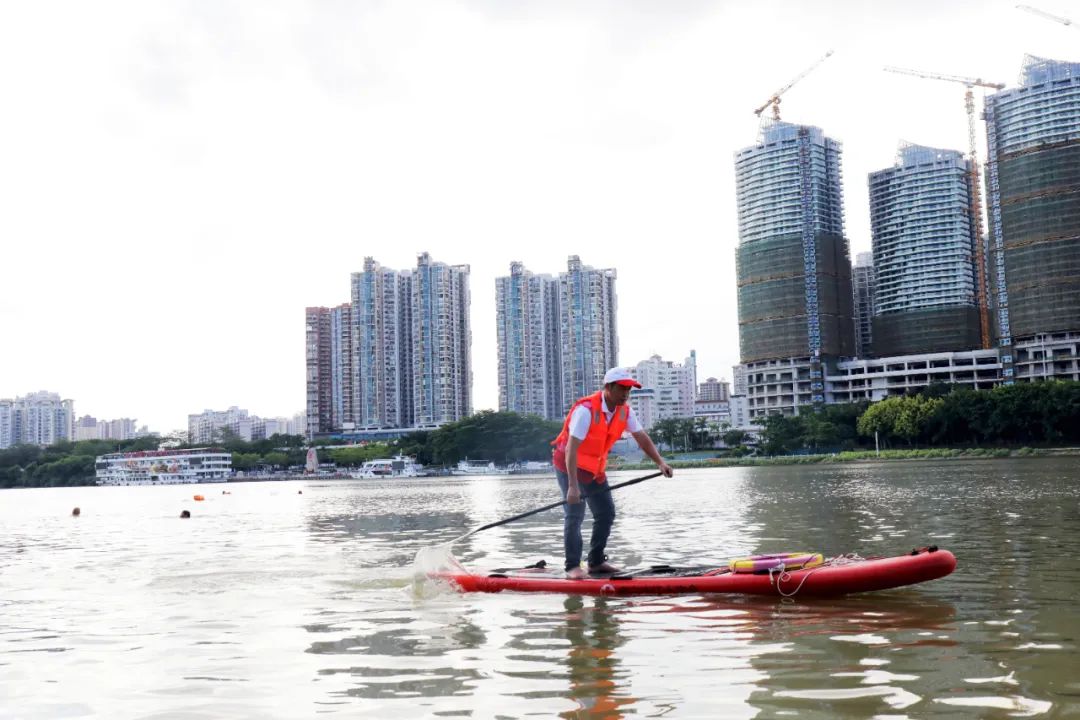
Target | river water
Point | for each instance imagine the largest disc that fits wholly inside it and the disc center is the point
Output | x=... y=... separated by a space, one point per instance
x=295 y=599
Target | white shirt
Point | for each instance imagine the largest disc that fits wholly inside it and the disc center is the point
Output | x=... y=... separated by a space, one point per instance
x=582 y=418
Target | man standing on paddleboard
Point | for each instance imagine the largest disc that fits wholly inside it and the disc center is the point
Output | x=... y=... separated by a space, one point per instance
x=591 y=427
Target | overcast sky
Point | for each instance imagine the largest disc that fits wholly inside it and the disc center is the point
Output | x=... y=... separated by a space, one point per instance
x=179 y=180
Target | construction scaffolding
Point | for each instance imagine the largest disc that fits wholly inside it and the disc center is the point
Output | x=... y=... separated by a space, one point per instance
x=1040 y=219
x=773 y=290
x=947 y=328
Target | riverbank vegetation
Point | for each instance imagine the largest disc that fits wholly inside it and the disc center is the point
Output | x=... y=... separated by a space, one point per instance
x=500 y=437
x=1033 y=414
x=862 y=455
x=938 y=423
x=62 y=464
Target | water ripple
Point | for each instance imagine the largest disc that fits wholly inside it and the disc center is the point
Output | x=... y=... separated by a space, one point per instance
x=272 y=603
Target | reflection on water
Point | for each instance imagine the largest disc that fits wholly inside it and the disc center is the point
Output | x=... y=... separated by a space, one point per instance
x=274 y=604
x=595 y=680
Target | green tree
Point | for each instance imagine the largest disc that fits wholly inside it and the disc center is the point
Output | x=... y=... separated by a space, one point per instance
x=880 y=418
x=781 y=434
x=700 y=434
x=915 y=415
x=230 y=440
x=276 y=459
x=964 y=418
x=19 y=455
x=500 y=437
x=666 y=431
x=245 y=461
x=418 y=445
x=906 y=418
x=1061 y=412
x=735 y=437
x=818 y=431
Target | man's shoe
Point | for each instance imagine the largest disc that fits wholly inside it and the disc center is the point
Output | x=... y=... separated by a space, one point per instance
x=604 y=568
x=575 y=574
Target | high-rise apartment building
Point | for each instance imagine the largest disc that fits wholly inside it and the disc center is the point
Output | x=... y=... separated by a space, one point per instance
x=738 y=379
x=862 y=288
x=794 y=272
x=442 y=343
x=924 y=238
x=1033 y=178
x=587 y=329
x=264 y=428
x=527 y=333
x=86 y=428
x=6 y=422
x=713 y=390
x=668 y=390
x=330 y=354
x=206 y=427
x=382 y=302
x=398 y=356
x=319 y=364
x=40 y=418
x=342 y=364
x=90 y=428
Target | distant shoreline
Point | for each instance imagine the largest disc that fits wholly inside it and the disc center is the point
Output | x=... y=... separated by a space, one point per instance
x=868 y=456
x=856 y=456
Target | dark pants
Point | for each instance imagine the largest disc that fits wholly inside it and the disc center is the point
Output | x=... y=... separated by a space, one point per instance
x=600 y=503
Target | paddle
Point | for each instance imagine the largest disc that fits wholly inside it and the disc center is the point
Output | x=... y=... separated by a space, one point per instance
x=606 y=488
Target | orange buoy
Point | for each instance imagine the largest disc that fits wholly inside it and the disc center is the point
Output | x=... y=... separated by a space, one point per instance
x=199 y=497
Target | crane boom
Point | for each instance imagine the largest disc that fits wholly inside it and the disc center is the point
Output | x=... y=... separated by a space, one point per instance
x=775 y=99
x=970 y=82
x=1044 y=14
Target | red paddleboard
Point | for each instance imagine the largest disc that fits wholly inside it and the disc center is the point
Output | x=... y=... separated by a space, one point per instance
x=837 y=576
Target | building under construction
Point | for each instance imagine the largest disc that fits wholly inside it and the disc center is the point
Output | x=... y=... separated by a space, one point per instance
x=864 y=290
x=924 y=239
x=794 y=271
x=1033 y=177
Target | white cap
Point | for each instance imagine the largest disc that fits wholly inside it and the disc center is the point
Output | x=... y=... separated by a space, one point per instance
x=621 y=376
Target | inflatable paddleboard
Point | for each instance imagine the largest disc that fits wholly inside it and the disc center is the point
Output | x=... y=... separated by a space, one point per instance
x=840 y=575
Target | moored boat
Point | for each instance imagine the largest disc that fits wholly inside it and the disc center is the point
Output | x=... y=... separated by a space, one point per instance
x=398 y=466
x=164 y=467
x=477 y=467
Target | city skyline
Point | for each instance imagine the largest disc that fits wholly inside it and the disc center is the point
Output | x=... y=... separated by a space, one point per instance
x=930 y=321
x=220 y=158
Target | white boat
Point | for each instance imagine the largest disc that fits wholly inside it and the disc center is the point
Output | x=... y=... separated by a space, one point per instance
x=397 y=466
x=532 y=467
x=477 y=467
x=164 y=467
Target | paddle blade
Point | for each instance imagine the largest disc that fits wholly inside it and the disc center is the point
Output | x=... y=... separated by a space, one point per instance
x=429 y=564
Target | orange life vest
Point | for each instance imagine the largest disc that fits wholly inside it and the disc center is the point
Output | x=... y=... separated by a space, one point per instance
x=593 y=451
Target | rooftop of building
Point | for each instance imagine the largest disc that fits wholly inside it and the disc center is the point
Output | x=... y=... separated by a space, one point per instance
x=1037 y=70
x=778 y=131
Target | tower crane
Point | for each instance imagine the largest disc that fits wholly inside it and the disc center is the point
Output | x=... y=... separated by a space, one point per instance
x=775 y=99
x=976 y=185
x=1048 y=16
